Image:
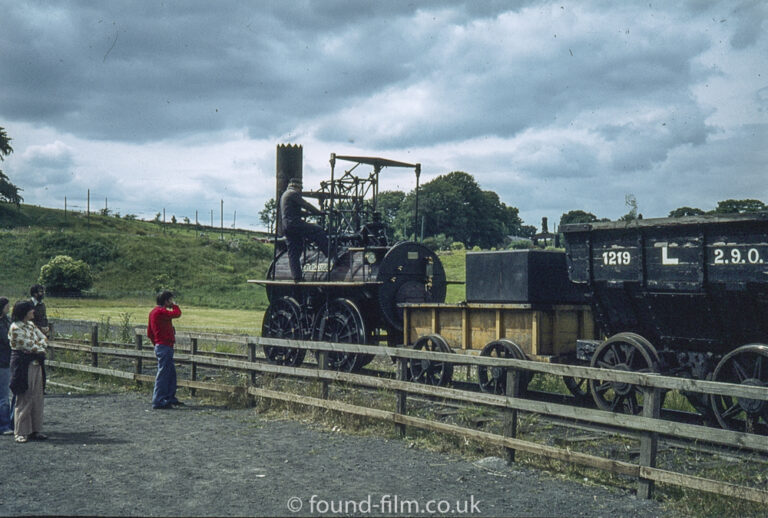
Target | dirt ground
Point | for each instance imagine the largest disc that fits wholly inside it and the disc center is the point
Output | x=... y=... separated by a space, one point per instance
x=112 y=455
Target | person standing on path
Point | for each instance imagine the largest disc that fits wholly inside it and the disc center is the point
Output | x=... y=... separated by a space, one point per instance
x=37 y=292
x=6 y=409
x=162 y=334
x=28 y=345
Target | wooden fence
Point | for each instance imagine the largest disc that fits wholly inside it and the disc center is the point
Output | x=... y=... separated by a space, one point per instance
x=648 y=426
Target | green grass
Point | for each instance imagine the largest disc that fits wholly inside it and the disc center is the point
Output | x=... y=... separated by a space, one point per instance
x=133 y=259
x=193 y=318
x=453 y=262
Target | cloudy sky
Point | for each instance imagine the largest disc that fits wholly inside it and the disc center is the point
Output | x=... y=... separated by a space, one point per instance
x=554 y=106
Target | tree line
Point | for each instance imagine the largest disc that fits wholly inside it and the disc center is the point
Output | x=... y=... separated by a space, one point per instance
x=745 y=206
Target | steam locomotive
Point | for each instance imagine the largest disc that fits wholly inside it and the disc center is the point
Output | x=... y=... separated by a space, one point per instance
x=351 y=292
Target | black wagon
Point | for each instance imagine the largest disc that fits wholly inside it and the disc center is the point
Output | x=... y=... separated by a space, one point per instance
x=679 y=296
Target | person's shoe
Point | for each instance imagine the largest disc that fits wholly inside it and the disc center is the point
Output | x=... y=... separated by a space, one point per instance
x=21 y=438
x=163 y=407
x=37 y=436
x=178 y=403
x=8 y=431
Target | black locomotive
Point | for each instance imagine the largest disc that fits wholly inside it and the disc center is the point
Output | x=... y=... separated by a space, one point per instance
x=350 y=293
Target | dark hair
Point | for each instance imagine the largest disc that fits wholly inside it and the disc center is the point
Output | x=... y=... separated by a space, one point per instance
x=3 y=302
x=20 y=310
x=163 y=297
x=36 y=288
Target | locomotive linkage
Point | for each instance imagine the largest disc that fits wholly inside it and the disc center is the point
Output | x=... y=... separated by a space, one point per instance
x=681 y=297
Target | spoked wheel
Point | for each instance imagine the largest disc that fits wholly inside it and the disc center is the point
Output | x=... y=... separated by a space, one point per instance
x=494 y=379
x=747 y=365
x=579 y=387
x=283 y=319
x=340 y=321
x=626 y=353
x=428 y=371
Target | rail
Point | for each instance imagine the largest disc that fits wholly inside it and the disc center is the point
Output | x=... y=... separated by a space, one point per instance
x=649 y=425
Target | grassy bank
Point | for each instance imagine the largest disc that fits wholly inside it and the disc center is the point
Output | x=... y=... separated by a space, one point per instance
x=133 y=259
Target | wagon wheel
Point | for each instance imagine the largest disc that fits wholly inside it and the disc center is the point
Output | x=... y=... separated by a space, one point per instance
x=494 y=379
x=340 y=321
x=578 y=387
x=283 y=319
x=747 y=365
x=621 y=352
x=428 y=371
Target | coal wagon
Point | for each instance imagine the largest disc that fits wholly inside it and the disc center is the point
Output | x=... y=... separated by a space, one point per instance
x=520 y=304
x=679 y=296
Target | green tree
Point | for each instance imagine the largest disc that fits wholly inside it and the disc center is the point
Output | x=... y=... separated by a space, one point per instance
x=388 y=204
x=454 y=205
x=577 y=216
x=740 y=206
x=8 y=191
x=63 y=274
x=268 y=215
x=681 y=212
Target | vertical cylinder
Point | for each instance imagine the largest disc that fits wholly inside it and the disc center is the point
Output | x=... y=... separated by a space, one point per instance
x=289 y=164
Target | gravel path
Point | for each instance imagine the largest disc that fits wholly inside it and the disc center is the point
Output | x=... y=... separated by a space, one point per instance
x=112 y=455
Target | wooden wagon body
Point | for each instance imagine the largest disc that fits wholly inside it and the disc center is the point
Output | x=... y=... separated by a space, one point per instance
x=544 y=332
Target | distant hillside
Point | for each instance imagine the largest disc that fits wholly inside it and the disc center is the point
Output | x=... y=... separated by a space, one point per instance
x=134 y=258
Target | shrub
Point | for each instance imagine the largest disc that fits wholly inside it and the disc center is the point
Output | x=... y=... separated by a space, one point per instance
x=458 y=245
x=63 y=274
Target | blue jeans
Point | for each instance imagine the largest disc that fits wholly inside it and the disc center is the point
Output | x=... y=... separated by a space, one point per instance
x=165 y=382
x=6 y=408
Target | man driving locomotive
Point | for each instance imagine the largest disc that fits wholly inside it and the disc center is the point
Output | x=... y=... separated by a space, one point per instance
x=293 y=208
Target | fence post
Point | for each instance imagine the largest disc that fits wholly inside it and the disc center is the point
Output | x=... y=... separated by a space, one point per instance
x=94 y=343
x=50 y=337
x=138 y=340
x=193 y=364
x=402 y=375
x=649 y=441
x=512 y=390
x=252 y=374
x=322 y=364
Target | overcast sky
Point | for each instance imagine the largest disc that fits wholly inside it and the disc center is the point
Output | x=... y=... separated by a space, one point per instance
x=554 y=106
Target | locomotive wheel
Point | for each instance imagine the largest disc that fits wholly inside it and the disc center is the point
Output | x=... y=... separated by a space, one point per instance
x=427 y=371
x=747 y=365
x=494 y=379
x=283 y=320
x=340 y=321
x=626 y=353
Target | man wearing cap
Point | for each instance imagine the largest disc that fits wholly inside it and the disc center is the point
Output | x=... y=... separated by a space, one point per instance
x=293 y=208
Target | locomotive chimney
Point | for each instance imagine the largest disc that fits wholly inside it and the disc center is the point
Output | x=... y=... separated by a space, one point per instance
x=289 y=165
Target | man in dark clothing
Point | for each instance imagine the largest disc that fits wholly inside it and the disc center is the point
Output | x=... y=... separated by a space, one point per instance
x=37 y=292
x=293 y=208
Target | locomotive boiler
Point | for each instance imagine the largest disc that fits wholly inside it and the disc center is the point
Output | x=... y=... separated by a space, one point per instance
x=352 y=291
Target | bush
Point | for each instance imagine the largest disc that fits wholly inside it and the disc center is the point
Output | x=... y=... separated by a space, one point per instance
x=458 y=245
x=63 y=274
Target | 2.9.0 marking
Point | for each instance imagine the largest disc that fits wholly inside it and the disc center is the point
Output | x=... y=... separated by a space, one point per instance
x=737 y=256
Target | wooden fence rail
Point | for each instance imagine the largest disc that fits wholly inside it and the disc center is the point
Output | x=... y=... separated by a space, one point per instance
x=649 y=426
